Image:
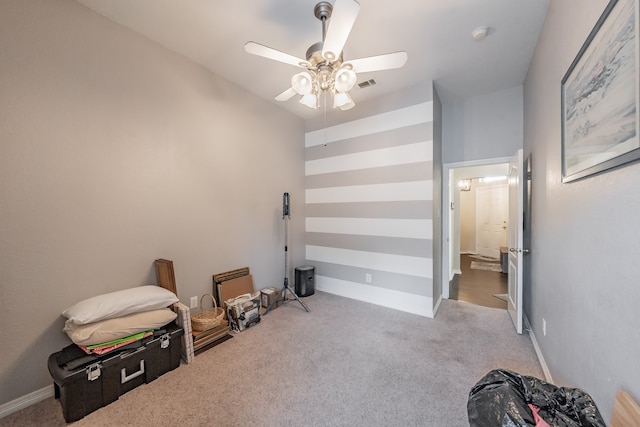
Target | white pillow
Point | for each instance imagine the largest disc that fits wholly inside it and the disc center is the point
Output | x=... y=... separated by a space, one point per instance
x=119 y=303
x=120 y=327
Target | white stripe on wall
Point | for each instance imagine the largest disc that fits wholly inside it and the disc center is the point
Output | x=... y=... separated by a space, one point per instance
x=405 y=228
x=402 y=264
x=390 y=156
x=411 y=303
x=409 y=116
x=393 y=192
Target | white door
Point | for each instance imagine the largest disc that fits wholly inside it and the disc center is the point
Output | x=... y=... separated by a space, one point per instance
x=516 y=183
x=492 y=215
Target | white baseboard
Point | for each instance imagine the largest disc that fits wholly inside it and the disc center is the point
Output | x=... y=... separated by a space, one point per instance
x=437 y=306
x=543 y=363
x=26 y=400
x=416 y=304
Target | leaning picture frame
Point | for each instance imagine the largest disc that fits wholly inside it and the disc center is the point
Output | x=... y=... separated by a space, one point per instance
x=599 y=96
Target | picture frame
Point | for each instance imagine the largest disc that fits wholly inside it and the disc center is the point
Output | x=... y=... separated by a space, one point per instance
x=600 y=96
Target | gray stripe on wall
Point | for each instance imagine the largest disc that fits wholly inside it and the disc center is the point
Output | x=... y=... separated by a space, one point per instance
x=410 y=209
x=386 y=174
x=381 y=279
x=391 y=138
x=388 y=245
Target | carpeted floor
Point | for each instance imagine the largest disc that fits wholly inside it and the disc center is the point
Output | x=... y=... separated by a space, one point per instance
x=346 y=363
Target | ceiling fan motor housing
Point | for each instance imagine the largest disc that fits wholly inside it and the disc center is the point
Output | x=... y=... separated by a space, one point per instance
x=314 y=56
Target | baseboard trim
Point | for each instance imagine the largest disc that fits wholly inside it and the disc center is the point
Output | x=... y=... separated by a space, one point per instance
x=437 y=306
x=26 y=401
x=411 y=303
x=536 y=347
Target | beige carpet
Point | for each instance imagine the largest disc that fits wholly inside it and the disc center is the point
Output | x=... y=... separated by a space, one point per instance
x=346 y=363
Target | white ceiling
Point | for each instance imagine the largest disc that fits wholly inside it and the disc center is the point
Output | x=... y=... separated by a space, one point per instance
x=436 y=34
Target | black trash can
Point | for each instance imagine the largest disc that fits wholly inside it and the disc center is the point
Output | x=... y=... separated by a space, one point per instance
x=305 y=283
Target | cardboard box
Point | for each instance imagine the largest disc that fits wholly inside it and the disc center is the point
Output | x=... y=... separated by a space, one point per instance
x=267 y=296
x=234 y=287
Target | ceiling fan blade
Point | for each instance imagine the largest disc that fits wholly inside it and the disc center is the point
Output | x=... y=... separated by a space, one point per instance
x=342 y=19
x=380 y=62
x=267 y=52
x=286 y=95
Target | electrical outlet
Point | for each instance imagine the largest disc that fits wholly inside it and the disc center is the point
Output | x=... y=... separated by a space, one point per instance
x=367 y=277
x=544 y=327
x=193 y=302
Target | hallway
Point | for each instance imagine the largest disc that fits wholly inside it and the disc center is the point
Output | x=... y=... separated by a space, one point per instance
x=478 y=286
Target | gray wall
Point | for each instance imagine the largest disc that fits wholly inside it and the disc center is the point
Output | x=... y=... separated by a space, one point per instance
x=585 y=242
x=481 y=130
x=370 y=200
x=482 y=127
x=116 y=152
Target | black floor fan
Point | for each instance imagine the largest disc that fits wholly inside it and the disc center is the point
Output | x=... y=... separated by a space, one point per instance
x=286 y=215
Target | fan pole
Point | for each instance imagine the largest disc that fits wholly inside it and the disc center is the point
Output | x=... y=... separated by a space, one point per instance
x=286 y=215
x=322 y=11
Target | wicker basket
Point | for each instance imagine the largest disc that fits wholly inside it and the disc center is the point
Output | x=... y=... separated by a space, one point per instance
x=209 y=318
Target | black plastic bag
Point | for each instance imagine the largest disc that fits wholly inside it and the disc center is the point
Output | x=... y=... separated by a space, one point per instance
x=501 y=398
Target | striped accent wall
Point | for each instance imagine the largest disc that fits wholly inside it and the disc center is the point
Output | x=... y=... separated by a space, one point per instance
x=369 y=208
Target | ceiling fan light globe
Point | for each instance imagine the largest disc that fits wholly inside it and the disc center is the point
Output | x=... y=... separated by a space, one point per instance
x=310 y=100
x=302 y=83
x=341 y=99
x=348 y=106
x=345 y=79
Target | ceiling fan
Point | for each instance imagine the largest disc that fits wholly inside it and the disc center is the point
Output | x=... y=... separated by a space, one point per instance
x=326 y=71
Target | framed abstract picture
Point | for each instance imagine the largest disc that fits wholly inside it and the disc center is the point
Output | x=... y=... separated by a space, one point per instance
x=600 y=94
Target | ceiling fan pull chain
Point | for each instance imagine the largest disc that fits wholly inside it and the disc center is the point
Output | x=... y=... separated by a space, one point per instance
x=325 y=119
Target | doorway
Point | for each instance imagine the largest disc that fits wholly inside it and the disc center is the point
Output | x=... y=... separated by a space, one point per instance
x=475 y=225
x=487 y=288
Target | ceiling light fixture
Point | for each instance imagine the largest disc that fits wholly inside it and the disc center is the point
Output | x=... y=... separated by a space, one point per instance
x=325 y=72
x=490 y=179
x=480 y=33
x=325 y=79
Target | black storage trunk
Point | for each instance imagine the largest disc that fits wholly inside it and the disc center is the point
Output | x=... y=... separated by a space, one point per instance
x=85 y=388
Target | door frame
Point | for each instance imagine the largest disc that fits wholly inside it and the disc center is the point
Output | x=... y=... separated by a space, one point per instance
x=447 y=188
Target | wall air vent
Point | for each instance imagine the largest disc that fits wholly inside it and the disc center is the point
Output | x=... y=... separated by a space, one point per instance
x=367 y=83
